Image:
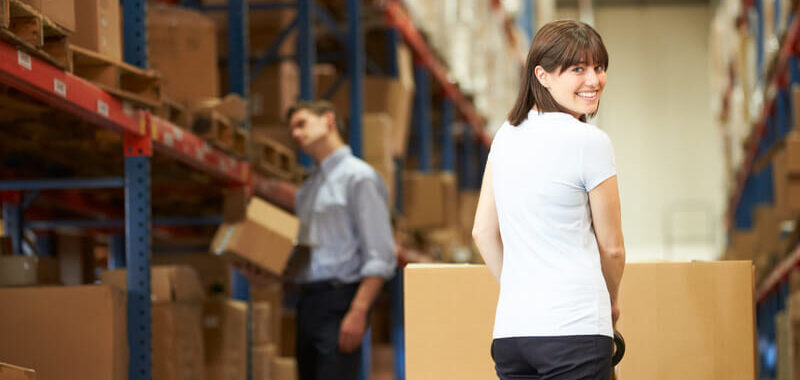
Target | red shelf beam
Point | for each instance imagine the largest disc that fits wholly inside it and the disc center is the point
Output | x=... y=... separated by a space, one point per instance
x=397 y=17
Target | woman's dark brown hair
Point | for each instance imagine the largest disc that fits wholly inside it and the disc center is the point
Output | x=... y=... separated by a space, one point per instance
x=558 y=45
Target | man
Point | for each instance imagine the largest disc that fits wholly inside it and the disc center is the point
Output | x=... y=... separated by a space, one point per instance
x=345 y=248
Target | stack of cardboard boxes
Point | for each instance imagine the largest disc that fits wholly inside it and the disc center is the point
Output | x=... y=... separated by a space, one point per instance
x=177 y=320
x=679 y=320
x=74 y=331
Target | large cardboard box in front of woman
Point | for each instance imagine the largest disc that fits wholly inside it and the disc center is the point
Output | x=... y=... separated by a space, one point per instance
x=681 y=321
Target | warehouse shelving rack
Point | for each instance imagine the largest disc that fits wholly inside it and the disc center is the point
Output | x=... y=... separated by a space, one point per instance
x=146 y=136
x=754 y=184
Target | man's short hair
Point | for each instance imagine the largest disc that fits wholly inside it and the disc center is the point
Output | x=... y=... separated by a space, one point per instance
x=318 y=107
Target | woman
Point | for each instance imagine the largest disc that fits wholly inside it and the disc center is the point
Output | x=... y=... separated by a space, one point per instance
x=548 y=219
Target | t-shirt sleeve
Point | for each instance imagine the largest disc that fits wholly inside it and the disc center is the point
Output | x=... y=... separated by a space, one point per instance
x=599 y=163
x=490 y=156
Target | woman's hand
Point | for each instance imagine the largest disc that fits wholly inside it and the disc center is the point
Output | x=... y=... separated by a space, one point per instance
x=614 y=314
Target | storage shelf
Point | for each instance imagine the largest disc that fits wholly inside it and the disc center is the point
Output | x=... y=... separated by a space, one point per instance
x=398 y=18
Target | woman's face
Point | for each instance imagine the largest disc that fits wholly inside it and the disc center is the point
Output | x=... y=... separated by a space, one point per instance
x=577 y=89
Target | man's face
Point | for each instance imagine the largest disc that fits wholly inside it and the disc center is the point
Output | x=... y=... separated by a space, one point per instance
x=307 y=128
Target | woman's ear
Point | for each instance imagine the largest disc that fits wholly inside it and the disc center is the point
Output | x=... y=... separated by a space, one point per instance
x=542 y=76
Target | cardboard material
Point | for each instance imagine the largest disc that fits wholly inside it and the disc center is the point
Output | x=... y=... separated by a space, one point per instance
x=285 y=368
x=449 y=316
x=76 y=332
x=213 y=271
x=381 y=95
x=273 y=295
x=698 y=314
x=262 y=323
x=225 y=337
x=467 y=206
x=182 y=46
x=262 y=361
x=376 y=137
x=62 y=12
x=100 y=29
x=178 y=347
x=450 y=199
x=75 y=259
x=273 y=91
x=423 y=199
x=28 y=270
x=386 y=170
x=275 y=132
x=265 y=238
x=12 y=372
x=167 y=283
x=786 y=177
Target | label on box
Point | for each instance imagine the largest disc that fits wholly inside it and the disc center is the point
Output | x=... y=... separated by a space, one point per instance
x=102 y=108
x=24 y=59
x=59 y=87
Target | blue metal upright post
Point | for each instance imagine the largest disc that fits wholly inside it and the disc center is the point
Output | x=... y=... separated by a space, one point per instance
x=306 y=58
x=355 y=62
x=135 y=32
x=138 y=150
x=116 y=251
x=422 y=119
x=526 y=19
x=238 y=48
x=398 y=324
x=448 y=145
x=13 y=225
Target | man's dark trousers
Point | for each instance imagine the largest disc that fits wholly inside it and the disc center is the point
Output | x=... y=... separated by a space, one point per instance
x=320 y=311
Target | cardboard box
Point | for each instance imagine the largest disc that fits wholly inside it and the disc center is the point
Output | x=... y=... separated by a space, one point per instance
x=376 y=131
x=213 y=272
x=62 y=12
x=182 y=46
x=422 y=200
x=467 y=206
x=272 y=93
x=262 y=361
x=264 y=28
x=273 y=295
x=265 y=238
x=786 y=177
x=225 y=337
x=443 y=243
x=100 y=29
x=784 y=340
x=449 y=317
x=75 y=254
x=392 y=96
x=386 y=170
x=77 y=331
x=450 y=199
x=28 y=270
x=698 y=314
x=178 y=347
x=276 y=132
x=284 y=368
x=288 y=331
x=262 y=323
x=167 y=283
x=12 y=372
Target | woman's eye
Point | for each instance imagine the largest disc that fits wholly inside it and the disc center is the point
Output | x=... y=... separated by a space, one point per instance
x=599 y=68
x=577 y=69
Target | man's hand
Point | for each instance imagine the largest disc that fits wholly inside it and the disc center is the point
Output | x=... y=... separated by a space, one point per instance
x=352 y=330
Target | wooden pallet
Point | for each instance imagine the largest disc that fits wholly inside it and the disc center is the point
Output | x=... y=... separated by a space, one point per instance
x=272 y=158
x=220 y=132
x=142 y=87
x=175 y=113
x=32 y=32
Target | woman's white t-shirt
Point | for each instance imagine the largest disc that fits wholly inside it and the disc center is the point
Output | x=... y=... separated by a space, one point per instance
x=551 y=283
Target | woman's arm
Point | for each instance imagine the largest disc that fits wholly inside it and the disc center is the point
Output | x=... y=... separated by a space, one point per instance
x=486 y=228
x=607 y=222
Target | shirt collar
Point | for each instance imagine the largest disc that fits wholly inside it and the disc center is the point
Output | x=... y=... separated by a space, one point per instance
x=335 y=158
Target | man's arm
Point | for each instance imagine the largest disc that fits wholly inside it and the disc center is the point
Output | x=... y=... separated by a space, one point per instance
x=370 y=210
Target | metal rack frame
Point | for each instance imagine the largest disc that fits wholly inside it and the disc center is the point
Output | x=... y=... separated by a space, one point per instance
x=145 y=135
